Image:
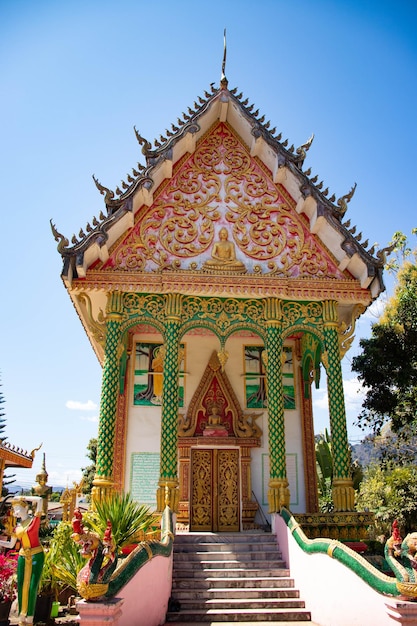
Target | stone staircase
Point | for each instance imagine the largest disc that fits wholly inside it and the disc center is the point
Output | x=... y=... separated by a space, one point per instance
x=232 y=577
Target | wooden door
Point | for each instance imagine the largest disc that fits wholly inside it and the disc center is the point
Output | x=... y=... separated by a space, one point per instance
x=215 y=493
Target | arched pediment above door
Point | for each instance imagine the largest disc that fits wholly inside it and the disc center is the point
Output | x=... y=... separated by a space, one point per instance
x=214 y=410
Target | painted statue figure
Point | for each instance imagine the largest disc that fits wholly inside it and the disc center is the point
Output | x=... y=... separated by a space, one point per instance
x=31 y=554
x=42 y=490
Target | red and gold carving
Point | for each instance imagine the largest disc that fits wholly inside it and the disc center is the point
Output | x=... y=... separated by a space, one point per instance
x=220 y=185
x=119 y=442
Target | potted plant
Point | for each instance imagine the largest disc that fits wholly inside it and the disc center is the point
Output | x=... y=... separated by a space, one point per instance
x=8 y=591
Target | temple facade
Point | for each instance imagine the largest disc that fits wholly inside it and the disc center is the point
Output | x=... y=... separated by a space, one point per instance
x=217 y=284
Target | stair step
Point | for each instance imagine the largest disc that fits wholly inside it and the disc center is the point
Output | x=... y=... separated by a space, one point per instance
x=225 y=547
x=265 y=582
x=242 y=603
x=226 y=593
x=237 y=578
x=232 y=563
x=245 y=615
x=224 y=555
x=231 y=572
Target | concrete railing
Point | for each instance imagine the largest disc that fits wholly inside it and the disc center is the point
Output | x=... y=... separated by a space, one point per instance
x=340 y=588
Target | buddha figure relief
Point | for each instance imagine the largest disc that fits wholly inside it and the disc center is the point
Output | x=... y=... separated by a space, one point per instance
x=215 y=426
x=223 y=255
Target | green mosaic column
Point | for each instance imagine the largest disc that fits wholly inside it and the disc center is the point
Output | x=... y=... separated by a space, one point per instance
x=103 y=479
x=342 y=490
x=168 y=494
x=278 y=494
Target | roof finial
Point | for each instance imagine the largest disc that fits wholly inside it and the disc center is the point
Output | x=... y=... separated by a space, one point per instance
x=223 y=81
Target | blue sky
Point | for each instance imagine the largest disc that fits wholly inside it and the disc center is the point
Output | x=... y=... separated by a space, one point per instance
x=76 y=76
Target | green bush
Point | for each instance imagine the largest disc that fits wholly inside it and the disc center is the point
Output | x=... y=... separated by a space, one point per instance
x=63 y=561
x=391 y=493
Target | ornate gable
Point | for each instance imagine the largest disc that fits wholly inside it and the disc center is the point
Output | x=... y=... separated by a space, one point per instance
x=221 y=186
x=222 y=207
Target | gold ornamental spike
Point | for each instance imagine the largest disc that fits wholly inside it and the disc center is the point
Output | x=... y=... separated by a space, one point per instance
x=223 y=80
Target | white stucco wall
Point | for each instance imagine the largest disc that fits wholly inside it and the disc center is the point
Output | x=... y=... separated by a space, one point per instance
x=144 y=423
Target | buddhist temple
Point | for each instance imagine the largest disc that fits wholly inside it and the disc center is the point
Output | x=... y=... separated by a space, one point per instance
x=219 y=280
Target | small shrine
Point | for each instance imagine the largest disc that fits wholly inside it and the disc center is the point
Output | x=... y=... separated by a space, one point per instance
x=220 y=281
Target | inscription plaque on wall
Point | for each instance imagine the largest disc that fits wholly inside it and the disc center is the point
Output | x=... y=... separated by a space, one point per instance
x=144 y=477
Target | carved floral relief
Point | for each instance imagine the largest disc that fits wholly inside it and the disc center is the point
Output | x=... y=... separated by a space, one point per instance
x=221 y=187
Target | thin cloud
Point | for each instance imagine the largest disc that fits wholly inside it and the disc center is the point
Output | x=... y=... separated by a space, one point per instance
x=65 y=478
x=354 y=394
x=74 y=405
x=374 y=312
x=90 y=418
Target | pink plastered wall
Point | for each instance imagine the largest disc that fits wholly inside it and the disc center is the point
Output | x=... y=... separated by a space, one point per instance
x=146 y=595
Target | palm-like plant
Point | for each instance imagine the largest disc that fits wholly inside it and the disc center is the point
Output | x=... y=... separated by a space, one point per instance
x=128 y=518
x=62 y=563
x=324 y=465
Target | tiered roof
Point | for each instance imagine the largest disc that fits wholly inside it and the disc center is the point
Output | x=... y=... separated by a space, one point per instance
x=106 y=254
x=325 y=212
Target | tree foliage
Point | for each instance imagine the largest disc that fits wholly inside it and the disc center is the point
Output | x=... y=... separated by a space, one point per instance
x=90 y=470
x=7 y=479
x=391 y=493
x=387 y=365
x=2 y=417
x=324 y=467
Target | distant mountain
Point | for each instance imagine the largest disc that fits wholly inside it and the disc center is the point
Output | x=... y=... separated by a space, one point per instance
x=364 y=453
x=17 y=489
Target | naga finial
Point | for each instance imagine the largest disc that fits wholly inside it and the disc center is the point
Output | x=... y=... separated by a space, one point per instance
x=62 y=241
x=146 y=145
x=382 y=254
x=107 y=193
x=303 y=149
x=223 y=80
x=344 y=200
x=33 y=452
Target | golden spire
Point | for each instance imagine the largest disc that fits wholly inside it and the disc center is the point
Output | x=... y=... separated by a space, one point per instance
x=223 y=80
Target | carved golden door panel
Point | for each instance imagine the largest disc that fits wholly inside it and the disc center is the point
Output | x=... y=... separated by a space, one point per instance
x=215 y=490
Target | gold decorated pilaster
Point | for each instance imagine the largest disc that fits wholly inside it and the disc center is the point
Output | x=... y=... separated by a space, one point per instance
x=167 y=493
x=272 y=311
x=278 y=494
x=173 y=306
x=103 y=484
x=342 y=489
x=343 y=494
x=102 y=490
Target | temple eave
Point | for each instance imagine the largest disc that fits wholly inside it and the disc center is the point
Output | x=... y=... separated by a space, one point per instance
x=347 y=291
